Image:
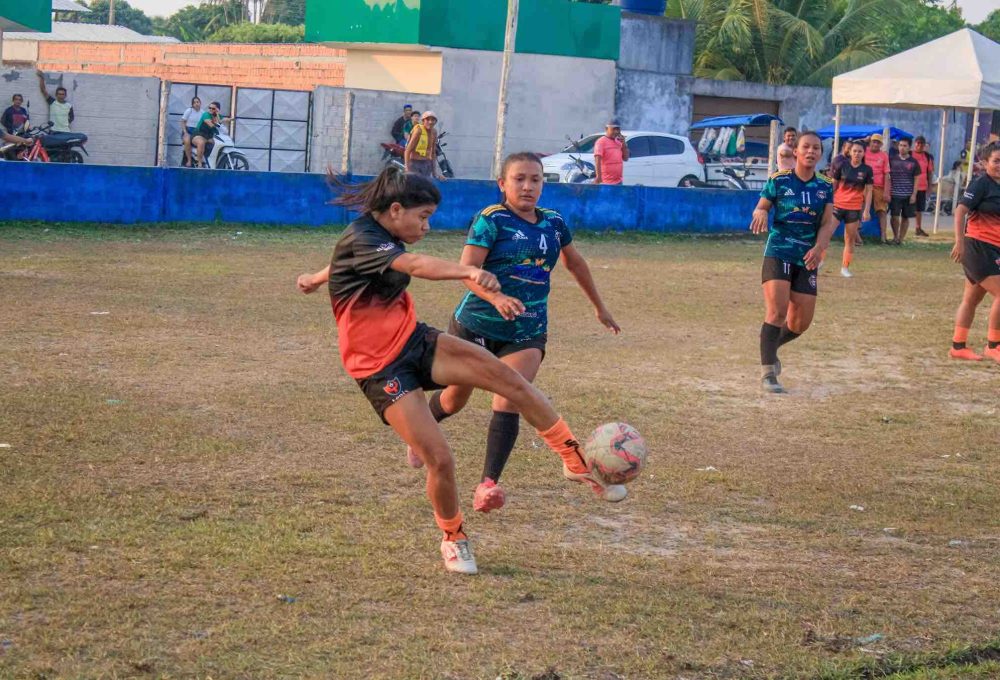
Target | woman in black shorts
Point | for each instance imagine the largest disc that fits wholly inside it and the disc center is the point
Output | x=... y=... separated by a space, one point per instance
x=394 y=358
x=852 y=199
x=977 y=247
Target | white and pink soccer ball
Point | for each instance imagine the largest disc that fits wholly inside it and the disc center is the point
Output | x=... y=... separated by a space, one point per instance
x=616 y=452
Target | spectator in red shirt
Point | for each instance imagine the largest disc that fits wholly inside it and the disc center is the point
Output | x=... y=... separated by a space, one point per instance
x=878 y=161
x=926 y=163
x=610 y=155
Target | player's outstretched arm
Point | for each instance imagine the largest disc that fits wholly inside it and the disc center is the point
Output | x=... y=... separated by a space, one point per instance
x=509 y=307
x=576 y=265
x=308 y=283
x=758 y=225
x=827 y=227
x=958 y=250
x=866 y=213
x=436 y=269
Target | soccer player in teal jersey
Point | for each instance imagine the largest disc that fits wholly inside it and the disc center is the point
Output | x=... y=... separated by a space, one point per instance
x=803 y=225
x=521 y=244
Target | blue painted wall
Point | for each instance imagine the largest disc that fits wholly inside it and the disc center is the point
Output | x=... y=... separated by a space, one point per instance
x=131 y=195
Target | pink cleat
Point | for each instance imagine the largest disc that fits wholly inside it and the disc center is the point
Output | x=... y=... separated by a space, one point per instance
x=965 y=354
x=489 y=496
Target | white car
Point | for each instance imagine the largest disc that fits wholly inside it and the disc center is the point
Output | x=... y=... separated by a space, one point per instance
x=656 y=159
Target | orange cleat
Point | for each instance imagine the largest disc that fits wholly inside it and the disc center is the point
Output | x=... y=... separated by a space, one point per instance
x=992 y=353
x=965 y=353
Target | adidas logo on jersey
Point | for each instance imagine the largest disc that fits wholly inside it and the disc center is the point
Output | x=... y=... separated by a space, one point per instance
x=789 y=191
x=519 y=236
x=385 y=247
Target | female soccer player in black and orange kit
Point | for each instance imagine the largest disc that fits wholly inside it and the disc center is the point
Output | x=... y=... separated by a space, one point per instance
x=977 y=247
x=394 y=358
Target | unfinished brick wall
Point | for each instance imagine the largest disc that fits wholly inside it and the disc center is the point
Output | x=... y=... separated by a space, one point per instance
x=278 y=66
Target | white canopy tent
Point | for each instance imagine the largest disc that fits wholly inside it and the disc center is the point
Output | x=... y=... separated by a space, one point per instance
x=960 y=71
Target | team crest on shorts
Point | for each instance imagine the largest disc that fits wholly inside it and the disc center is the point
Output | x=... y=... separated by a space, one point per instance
x=998 y=261
x=812 y=281
x=393 y=388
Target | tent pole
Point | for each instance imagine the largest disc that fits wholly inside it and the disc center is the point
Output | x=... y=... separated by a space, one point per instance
x=772 y=148
x=972 y=146
x=836 y=131
x=940 y=168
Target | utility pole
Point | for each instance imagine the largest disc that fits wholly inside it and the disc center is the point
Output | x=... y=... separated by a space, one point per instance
x=508 y=52
x=111 y=12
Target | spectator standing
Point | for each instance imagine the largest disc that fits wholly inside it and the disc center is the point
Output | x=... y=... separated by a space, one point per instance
x=790 y=137
x=420 y=156
x=610 y=154
x=15 y=116
x=839 y=159
x=878 y=161
x=397 y=127
x=786 y=157
x=60 y=111
x=926 y=162
x=905 y=170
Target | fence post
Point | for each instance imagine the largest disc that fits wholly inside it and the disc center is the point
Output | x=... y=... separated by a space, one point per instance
x=345 y=161
x=161 y=138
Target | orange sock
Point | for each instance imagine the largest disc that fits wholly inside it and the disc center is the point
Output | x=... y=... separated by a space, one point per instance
x=452 y=528
x=961 y=335
x=560 y=439
x=846 y=262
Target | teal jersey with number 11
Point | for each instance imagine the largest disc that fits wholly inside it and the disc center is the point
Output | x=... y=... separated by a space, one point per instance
x=798 y=214
x=522 y=256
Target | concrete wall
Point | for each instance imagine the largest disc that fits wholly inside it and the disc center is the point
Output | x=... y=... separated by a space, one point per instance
x=549 y=98
x=656 y=44
x=654 y=101
x=120 y=115
x=120 y=195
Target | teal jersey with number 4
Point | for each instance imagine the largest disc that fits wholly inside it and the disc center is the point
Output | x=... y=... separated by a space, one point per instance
x=522 y=256
x=798 y=214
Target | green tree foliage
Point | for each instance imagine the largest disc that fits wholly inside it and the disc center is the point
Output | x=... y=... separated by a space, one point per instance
x=291 y=12
x=991 y=27
x=806 y=42
x=195 y=23
x=125 y=15
x=247 y=32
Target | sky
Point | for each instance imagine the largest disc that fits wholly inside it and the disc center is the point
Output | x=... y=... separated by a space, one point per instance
x=973 y=10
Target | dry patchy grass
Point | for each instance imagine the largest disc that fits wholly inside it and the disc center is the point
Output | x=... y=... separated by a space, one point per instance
x=195 y=488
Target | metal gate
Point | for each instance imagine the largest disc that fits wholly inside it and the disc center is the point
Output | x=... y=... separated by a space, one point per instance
x=271 y=127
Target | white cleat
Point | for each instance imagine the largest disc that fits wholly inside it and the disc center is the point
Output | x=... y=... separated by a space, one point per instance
x=458 y=557
x=770 y=385
x=612 y=493
x=846 y=273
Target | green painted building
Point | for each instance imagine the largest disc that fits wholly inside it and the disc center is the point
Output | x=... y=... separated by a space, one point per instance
x=26 y=15
x=556 y=27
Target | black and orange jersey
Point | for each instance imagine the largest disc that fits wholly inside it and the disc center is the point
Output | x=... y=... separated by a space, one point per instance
x=850 y=188
x=982 y=198
x=375 y=315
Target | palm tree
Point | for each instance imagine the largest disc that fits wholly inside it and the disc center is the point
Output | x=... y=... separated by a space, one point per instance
x=805 y=42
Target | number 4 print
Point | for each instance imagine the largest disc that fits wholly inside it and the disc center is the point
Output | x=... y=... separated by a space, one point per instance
x=543 y=245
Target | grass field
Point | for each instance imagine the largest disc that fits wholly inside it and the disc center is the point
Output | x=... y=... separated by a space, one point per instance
x=194 y=488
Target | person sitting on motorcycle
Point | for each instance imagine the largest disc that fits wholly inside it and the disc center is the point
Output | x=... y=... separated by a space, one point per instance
x=15 y=117
x=421 y=150
x=189 y=126
x=410 y=124
x=61 y=112
x=13 y=139
x=205 y=132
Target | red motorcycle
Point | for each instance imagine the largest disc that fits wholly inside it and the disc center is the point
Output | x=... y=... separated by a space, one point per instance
x=392 y=154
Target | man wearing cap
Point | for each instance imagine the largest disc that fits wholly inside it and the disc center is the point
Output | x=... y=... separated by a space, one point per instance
x=610 y=154
x=397 y=127
x=421 y=150
x=878 y=161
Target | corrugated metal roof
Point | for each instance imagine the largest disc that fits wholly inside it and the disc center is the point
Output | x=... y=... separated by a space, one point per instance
x=63 y=31
x=67 y=6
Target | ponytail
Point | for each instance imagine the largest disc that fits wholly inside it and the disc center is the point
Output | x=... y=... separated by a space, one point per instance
x=392 y=185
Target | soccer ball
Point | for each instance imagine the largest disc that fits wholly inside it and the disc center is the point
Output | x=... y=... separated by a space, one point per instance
x=616 y=453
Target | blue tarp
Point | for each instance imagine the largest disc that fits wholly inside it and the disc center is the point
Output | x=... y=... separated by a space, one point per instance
x=861 y=131
x=751 y=119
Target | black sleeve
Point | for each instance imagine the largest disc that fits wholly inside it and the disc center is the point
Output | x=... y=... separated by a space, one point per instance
x=975 y=194
x=869 y=175
x=72 y=114
x=915 y=167
x=374 y=253
x=50 y=99
x=835 y=172
x=7 y=120
x=397 y=128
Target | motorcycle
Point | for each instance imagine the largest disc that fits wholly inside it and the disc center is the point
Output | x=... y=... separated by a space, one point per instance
x=47 y=146
x=734 y=178
x=221 y=153
x=394 y=154
x=579 y=171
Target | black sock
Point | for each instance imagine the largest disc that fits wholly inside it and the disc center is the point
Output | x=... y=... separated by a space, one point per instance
x=436 y=409
x=958 y=345
x=992 y=344
x=786 y=336
x=500 y=440
x=769 y=344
